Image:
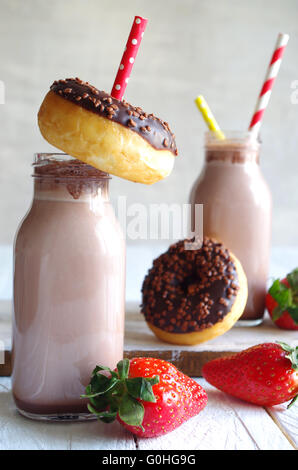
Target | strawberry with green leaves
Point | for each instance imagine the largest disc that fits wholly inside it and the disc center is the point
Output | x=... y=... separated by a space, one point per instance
x=149 y=397
x=282 y=301
x=266 y=374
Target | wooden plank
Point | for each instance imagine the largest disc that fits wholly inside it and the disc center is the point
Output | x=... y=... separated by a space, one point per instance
x=139 y=337
x=225 y=424
x=190 y=362
x=5 y=338
x=286 y=420
x=5 y=324
x=140 y=341
x=5 y=368
x=17 y=432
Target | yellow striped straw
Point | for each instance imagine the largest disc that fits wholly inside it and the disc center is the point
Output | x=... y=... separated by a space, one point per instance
x=208 y=117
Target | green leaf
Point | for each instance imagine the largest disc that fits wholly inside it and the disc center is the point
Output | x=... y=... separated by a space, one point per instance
x=105 y=416
x=282 y=294
x=285 y=346
x=119 y=389
x=108 y=418
x=293 y=354
x=93 y=410
x=140 y=387
x=153 y=380
x=100 y=384
x=292 y=402
x=293 y=312
x=131 y=411
x=109 y=386
x=101 y=368
x=101 y=403
x=293 y=279
x=123 y=368
x=286 y=297
x=277 y=312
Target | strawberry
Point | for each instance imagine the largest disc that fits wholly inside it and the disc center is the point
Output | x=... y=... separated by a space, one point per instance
x=265 y=374
x=282 y=301
x=148 y=396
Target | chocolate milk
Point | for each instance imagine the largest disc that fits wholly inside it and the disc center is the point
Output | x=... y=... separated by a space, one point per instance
x=69 y=283
x=237 y=210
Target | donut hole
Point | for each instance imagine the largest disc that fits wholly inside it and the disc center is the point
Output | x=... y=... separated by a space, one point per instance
x=190 y=283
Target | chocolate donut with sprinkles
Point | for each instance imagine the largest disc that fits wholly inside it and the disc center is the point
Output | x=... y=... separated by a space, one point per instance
x=192 y=296
x=111 y=135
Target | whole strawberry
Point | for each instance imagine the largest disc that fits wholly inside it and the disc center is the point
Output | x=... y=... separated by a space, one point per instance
x=266 y=374
x=148 y=396
x=282 y=301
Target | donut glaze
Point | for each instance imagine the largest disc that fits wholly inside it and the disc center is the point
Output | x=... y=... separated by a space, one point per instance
x=155 y=131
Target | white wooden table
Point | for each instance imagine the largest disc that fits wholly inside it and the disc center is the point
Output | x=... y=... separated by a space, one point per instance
x=225 y=423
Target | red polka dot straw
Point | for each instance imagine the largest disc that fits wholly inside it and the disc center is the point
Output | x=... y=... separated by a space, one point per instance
x=128 y=58
x=271 y=74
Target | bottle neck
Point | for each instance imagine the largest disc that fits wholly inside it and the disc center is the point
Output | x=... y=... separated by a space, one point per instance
x=71 y=189
x=235 y=148
x=60 y=177
x=231 y=154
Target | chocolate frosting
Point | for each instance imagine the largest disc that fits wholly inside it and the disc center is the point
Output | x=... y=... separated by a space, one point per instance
x=155 y=131
x=190 y=290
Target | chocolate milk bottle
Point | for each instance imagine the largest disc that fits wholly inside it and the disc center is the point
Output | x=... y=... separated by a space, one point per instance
x=237 y=210
x=69 y=282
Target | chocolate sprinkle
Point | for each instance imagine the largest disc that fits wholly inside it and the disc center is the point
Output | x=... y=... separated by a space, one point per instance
x=88 y=97
x=190 y=290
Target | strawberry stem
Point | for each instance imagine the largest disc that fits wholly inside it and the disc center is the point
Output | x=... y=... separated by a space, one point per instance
x=117 y=394
x=286 y=297
x=293 y=354
x=292 y=402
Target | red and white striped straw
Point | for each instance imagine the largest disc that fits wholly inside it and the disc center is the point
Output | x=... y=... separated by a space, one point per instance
x=128 y=58
x=272 y=71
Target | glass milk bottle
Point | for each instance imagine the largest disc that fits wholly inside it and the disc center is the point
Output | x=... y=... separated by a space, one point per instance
x=237 y=210
x=69 y=282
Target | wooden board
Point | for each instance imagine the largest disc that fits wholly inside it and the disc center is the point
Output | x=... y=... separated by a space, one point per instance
x=225 y=423
x=140 y=341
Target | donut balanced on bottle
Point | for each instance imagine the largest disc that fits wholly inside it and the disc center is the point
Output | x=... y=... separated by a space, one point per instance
x=193 y=295
x=109 y=134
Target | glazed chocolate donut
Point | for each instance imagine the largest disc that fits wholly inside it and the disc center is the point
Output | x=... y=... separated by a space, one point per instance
x=191 y=296
x=109 y=134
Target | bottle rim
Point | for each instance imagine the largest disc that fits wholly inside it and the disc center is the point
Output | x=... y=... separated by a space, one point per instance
x=241 y=139
x=70 y=168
